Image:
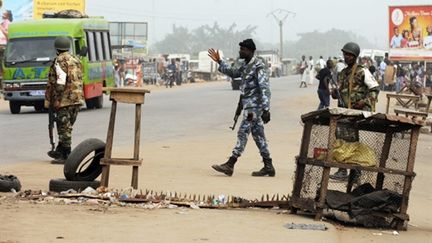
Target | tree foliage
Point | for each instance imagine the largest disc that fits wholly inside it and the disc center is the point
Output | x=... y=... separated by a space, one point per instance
x=181 y=40
x=326 y=44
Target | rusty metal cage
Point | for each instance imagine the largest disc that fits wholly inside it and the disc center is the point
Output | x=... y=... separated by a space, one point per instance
x=390 y=143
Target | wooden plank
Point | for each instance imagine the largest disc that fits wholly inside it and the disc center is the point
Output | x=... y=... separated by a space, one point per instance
x=108 y=145
x=117 y=161
x=128 y=90
x=410 y=112
x=137 y=130
x=403 y=96
x=126 y=97
x=105 y=175
x=134 y=182
x=304 y=147
x=410 y=168
x=311 y=161
x=388 y=104
x=383 y=160
x=323 y=193
x=326 y=170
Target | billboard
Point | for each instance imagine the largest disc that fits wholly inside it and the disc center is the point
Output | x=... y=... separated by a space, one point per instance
x=132 y=34
x=33 y=9
x=42 y=6
x=21 y=9
x=410 y=33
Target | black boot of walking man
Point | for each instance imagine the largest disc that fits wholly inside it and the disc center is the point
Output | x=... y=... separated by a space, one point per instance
x=228 y=167
x=268 y=169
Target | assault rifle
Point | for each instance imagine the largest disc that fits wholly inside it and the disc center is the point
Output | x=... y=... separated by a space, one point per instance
x=336 y=94
x=237 y=112
x=52 y=118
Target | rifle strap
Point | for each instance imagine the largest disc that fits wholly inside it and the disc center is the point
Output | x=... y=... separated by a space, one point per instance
x=350 y=84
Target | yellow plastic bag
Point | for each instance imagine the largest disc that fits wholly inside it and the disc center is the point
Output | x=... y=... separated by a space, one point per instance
x=353 y=153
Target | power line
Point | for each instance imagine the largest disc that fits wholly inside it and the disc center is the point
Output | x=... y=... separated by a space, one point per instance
x=281 y=15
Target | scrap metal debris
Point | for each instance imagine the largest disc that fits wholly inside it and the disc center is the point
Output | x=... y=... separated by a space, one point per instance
x=149 y=199
x=322 y=227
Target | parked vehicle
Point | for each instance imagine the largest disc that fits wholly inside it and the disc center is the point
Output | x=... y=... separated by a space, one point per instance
x=30 y=51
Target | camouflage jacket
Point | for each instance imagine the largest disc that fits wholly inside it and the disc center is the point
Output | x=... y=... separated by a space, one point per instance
x=255 y=87
x=71 y=93
x=364 y=87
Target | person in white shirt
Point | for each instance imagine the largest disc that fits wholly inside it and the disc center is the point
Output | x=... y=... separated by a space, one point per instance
x=304 y=71
x=396 y=39
x=427 y=42
x=340 y=66
x=321 y=63
x=311 y=70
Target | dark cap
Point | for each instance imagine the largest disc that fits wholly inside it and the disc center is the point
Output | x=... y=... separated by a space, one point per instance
x=249 y=44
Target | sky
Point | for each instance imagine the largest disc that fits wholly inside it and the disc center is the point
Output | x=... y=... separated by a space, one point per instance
x=368 y=18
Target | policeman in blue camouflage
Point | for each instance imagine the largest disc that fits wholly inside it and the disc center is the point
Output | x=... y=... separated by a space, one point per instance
x=64 y=92
x=255 y=98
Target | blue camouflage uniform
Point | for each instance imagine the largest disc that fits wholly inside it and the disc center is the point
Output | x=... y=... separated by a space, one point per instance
x=255 y=97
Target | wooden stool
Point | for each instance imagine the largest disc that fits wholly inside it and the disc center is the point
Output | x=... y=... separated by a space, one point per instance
x=130 y=96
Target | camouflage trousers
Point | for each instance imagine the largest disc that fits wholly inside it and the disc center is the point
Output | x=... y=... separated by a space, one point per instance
x=66 y=117
x=256 y=126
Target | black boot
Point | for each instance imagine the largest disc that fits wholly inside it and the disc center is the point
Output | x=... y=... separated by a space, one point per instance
x=340 y=175
x=57 y=153
x=64 y=155
x=228 y=167
x=268 y=169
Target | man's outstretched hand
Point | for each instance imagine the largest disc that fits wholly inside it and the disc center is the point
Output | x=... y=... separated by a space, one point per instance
x=214 y=55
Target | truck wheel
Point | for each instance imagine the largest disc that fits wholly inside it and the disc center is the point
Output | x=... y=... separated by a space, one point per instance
x=39 y=106
x=98 y=102
x=89 y=104
x=60 y=185
x=8 y=182
x=83 y=162
x=14 y=107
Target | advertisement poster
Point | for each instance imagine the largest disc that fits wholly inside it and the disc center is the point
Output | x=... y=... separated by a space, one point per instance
x=20 y=9
x=33 y=9
x=410 y=33
x=42 y=6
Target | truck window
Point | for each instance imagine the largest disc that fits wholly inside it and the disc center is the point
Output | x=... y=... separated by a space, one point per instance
x=106 y=45
x=91 y=46
x=99 y=47
x=27 y=51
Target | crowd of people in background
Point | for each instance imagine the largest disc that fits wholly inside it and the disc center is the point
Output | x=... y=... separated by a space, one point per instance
x=154 y=71
x=393 y=76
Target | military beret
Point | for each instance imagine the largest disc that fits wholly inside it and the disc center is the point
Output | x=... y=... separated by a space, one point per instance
x=248 y=43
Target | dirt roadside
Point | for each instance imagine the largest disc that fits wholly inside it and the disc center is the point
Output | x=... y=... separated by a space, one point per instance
x=183 y=165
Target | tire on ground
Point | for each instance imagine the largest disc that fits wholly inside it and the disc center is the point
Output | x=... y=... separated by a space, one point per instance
x=93 y=147
x=8 y=182
x=60 y=185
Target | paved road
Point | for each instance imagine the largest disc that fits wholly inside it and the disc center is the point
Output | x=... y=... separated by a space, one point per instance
x=167 y=114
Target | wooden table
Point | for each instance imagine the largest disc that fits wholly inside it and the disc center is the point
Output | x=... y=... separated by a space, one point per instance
x=129 y=96
x=405 y=100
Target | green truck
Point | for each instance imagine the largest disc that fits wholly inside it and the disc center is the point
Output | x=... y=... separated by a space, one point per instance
x=30 y=52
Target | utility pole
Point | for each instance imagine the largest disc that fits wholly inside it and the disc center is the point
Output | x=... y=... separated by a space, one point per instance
x=281 y=15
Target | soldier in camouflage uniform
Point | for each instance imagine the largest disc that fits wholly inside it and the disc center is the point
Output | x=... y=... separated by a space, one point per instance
x=358 y=90
x=64 y=92
x=255 y=98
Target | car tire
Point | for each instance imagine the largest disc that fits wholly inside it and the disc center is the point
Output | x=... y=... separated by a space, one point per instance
x=39 y=106
x=15 y=108
x=98 y=102
x=60 y=185
x=9 y=182
x=90 y=147
x=90 y=104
